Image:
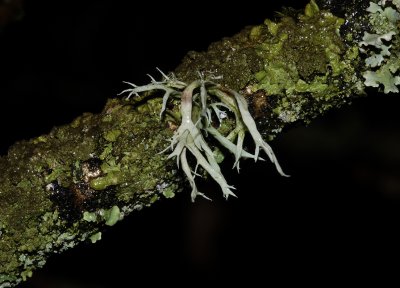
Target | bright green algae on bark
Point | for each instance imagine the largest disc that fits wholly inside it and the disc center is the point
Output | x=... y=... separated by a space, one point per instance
x=102 y=166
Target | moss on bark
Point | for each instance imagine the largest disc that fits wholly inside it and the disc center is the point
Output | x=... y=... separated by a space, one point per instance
x=106 y=165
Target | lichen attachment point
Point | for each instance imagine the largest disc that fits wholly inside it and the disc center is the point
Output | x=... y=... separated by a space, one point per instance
x=204 y=106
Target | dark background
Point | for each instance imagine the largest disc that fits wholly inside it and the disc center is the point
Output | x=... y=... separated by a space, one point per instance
x=337 y=214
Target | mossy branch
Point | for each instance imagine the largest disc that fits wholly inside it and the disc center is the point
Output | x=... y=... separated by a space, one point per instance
x=63 y=188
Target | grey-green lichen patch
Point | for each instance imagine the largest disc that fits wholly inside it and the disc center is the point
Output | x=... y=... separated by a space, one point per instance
x=105 y=164
x=164 y=189
x=22 y=253
x=381 y=46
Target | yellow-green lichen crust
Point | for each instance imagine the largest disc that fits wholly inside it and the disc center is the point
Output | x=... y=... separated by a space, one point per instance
x=306 y=63
x=53 y=186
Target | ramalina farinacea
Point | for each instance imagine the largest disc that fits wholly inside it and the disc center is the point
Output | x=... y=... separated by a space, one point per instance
x=202 y=104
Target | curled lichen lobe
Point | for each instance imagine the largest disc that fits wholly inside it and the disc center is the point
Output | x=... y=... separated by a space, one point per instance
x=380 y=46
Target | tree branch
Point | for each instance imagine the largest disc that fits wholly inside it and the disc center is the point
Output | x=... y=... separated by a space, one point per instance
x=63 y=188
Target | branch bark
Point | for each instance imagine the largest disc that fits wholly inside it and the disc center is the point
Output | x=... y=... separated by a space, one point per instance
x=63 y=188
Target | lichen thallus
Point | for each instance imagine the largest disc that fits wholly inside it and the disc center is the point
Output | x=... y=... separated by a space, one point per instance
x=209 y=97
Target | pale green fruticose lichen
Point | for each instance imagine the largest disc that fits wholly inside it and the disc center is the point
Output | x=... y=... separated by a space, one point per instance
x=382 y=47
x=199 y=102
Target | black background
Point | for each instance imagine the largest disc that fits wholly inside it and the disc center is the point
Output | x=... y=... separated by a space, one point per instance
x=337 y=214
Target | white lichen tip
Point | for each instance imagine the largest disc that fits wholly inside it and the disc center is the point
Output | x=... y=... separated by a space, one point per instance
x=251 y=126
x=196 y=128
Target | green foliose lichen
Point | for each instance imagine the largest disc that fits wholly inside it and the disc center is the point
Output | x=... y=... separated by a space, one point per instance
x=112 y=135
x=95 y=237
x=305 y=61
x=109 y=216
